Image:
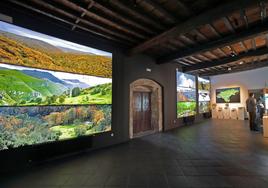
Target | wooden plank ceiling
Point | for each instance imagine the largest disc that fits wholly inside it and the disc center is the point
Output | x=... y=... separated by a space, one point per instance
x=206 y=37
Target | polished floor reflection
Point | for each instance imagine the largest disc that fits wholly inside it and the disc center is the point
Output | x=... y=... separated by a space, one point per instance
x=215 y=153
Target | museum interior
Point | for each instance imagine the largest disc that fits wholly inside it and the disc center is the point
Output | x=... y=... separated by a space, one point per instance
x=133 y=93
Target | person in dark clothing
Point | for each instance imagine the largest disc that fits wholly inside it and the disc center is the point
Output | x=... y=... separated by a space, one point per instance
x=251 y=108
x=261 y=110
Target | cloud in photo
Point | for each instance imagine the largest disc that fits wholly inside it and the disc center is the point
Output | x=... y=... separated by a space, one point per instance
x=183 y=81
x=203 y=80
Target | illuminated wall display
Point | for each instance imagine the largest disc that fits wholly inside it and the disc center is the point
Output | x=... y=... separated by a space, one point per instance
x=228 y=95
x=203 y=95
x=51 y=89
x=186 y=95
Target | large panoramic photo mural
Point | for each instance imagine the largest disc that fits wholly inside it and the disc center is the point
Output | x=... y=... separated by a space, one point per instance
x=186 y=95
x=51 y=89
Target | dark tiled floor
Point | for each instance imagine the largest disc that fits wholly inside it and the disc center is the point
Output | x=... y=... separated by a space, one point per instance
x=215 y=153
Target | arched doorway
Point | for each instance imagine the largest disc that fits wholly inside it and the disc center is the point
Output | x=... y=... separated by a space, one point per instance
x=145 y=109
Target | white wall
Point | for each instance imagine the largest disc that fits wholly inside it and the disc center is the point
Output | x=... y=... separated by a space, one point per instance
x=253 y=79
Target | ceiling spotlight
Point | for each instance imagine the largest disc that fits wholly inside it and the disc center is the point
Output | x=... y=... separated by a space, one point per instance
x=229 y=68
x=233 y=53
x=241 y=62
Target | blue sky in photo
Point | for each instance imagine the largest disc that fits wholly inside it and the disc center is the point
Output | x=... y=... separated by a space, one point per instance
x=185 y=80
x=49 y=39
x=203 y=80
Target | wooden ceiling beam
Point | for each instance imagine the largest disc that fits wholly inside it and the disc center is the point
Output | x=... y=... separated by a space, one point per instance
x=185 y=8
x=183 y=63
x=177 y=43
x=223 y=52
x=266 y=40
x=106 y=33
x=263 y=11
x=201 y=35
x=242 y=44
x=195 y=59
x=215 y=68
x=226 y=60
x=204 y=57
x=123 y=19
x=228 y=24
x=187 y=39
x=171 y=46
x=219 y=43
x=133 y=13
x=188 y=61
x=244 y=17
x=213 y=54
x=193 y=23
x=159 y=8
x=90 y=4
x=96 y=17
x=213 y=29
x=248 y=66
x=253 y=44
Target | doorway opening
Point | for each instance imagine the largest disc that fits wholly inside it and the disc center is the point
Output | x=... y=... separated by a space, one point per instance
x=145 y=108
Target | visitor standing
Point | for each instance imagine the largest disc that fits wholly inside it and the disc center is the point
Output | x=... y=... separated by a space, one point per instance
x=251 y=108
x=261 y=110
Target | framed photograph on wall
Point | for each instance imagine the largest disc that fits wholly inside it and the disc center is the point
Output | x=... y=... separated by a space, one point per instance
x=228 y=95
x=203 y=95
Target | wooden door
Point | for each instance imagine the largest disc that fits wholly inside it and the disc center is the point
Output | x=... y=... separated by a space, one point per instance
x=142 y=112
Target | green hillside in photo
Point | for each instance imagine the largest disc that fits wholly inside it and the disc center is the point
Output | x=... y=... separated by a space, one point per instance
x=19 y=89
x=185 y=109
x=101 y=94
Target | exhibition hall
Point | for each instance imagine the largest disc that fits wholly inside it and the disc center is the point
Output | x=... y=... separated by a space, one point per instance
x=133 y=93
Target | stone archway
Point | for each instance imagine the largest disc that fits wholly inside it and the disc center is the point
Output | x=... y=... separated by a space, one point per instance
x=147 y=85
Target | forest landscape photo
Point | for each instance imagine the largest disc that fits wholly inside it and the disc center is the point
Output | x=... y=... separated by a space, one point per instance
x=51 y=89
x=21 y=126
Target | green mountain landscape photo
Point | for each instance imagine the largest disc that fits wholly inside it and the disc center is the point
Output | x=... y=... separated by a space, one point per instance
x=26 y=87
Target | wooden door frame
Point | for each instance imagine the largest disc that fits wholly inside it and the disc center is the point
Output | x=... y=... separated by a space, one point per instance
x=141 y=112
x=147 y=85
